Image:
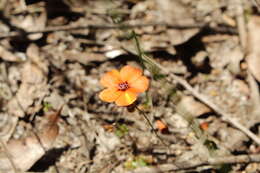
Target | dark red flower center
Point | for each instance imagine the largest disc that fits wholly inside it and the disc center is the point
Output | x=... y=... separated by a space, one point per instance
x=123 y=86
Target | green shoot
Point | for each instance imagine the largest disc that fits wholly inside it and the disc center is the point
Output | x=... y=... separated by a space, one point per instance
x=121 y=130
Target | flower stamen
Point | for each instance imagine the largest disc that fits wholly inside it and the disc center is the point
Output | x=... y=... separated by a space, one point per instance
x=123 y=86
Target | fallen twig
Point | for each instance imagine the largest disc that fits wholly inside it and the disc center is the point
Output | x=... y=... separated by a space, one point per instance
x=107 y=26
x=102 y=26
x=210 y=161
x=227 y=117
x=224 y=116
x=241 y=23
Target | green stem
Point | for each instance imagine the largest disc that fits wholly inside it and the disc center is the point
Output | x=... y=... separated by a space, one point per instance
x=139 y=49
x=150 y=124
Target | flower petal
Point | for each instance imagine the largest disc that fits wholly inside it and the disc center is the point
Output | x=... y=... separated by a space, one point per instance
x=110 y=79
x=129 y=73
x=110 y=94
x=139 y=85
x=127 y=98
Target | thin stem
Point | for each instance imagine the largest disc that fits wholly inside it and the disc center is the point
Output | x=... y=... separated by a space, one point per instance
x=139 y=49
x=150 y=124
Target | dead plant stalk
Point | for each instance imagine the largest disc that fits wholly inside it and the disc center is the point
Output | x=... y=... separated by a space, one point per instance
x=224 y=116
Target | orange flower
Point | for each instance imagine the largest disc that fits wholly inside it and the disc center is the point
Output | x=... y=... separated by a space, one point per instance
x=123 y=87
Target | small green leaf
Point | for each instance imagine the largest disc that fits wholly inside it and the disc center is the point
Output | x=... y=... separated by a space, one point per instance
x=117 y=16
x=121 y=130
x=46 y=106
x=139 y=161
x=158 y=76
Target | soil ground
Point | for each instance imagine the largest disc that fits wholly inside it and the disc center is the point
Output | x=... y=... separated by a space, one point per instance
x=202 y=61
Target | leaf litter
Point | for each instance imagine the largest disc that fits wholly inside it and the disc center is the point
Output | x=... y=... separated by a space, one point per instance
x=197 y=40
x=21 y=154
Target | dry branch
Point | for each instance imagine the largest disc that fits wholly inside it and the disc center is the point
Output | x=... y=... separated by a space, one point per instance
x=227 y=117
x=241 y=26
x=107 y=26
x=210 y=161
x=224 y=116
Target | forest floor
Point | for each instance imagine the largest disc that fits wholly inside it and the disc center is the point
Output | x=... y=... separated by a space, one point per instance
x=203 y=102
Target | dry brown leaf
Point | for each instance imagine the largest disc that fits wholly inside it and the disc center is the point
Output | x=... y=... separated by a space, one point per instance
x=83 y=57
x=8 y=55
x=31 y=23
x=171 y=12
x=7 y=126
x=253 y=58
x=34 y=83
x=235 y=57
x=33 y=53
x=231 y=138
x=25 y=152
x=194 y=107
x=33 y=87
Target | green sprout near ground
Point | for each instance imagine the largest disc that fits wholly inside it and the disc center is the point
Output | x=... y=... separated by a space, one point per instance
x=136 y=162
x=46 y=106
x=121 y=130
